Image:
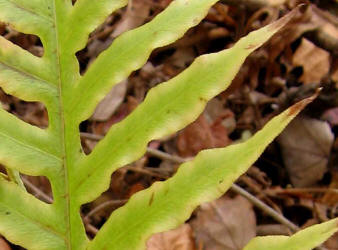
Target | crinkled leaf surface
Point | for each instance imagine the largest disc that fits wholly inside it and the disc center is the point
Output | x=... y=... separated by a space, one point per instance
x=70 y=98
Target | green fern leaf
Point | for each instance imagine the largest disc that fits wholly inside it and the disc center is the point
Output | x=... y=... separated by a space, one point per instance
x=70 y=98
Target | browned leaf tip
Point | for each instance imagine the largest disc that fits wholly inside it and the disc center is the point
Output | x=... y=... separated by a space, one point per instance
x=251 y=46
x=296 y=108
x=300 y=9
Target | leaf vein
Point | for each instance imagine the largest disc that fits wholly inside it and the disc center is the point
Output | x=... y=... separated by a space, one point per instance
x=30 y=10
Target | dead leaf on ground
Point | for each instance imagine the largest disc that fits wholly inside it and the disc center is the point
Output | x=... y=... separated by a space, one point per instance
x=328 y=23
x=306 y=144
x=299 y=25
x=178 y=239
x=201 y=135
x=111 y=102
x=314 y=60
x=331 y=115
x=272 y=229
x=136 y=14
x=334 y=74
x=332 y=242
x=4 y=245
x=331 y=198
x=225 y=224
x=182 y=57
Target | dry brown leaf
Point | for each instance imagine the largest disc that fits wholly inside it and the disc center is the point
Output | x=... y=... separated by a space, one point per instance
x=225 y=224
x=327 y=22
x=272 y=229
x=137 y=13
x=182 y=57
x=331 y=198
x=334 y=76
x=332 y=242
x=296 y=27
x=4 y=245
x=178 y=239
x=306 y=144
x=331 y=115
x=111 y=102
x=314 y=60
x=201 y=135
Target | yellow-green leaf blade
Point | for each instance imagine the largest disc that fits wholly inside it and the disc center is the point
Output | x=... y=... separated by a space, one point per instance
x=36 y=7
x=17 y=59
x=24 y=18
x=86 y=16
x=167 y=204
x=167 y=108
x=27 y=148
x=28 y=221
x=25 y=87
x=306 y=239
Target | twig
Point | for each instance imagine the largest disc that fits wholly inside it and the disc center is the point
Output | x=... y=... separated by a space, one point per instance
x=235 y=188
x=38 y=193
x=300 y=190
x=103 y=206
x=91 y=229
x=253 y=5
x=258 y=203
x=145 y=171
x=91 y=136
x=165 y=156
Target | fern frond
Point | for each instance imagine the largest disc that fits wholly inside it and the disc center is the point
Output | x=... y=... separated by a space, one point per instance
x=56 y=152
x=167 y=108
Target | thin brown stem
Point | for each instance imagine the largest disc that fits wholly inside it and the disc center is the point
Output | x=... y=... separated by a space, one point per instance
x=103 y=206
x=36 y=191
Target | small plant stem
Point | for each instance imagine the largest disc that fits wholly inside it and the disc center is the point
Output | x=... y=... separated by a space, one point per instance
x=144 y=171
x=103 y=206
x=36 y=191
x=261 y=205
x=91 y=229
x=273 y=192
x=90 y=136
x=235 y=188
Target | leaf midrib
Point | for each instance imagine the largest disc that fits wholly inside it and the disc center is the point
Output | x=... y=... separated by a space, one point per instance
x=62 y=130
